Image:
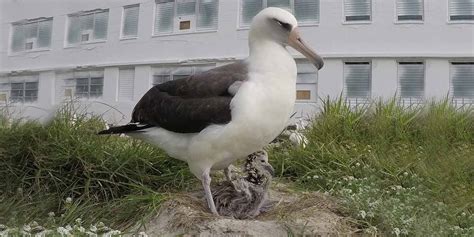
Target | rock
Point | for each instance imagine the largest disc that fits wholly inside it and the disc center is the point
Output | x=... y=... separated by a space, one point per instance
x=293 y=213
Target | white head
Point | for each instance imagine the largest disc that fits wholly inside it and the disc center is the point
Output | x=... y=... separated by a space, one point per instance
x=280 y=26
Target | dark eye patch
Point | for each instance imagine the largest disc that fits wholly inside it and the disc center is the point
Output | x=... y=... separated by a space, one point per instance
x=286 y=26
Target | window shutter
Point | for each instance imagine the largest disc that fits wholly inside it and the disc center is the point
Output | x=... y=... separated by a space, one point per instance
x=164 y=16
x=411 y=78
x=410 y=10
x=73 y=35
x=358 y=10
x=130 y=21
x=307 y=11
x=126 y=82
x=462 y=80
x=248 y=9
x=357 y=77
x=44 y=33
x=208 y=14
x=18 y=38
x=461 y=10
x=285 y=4
x=101 y=20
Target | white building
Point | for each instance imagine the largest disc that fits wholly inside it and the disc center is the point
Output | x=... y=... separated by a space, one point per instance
x=108 y=53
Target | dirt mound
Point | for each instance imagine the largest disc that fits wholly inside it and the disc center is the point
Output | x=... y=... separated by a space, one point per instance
x=293 y=213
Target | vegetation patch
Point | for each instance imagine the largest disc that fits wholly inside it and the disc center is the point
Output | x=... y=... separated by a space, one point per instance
x=396 y=170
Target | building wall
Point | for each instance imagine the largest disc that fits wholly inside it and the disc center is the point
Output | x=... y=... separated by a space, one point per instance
x=436 y=41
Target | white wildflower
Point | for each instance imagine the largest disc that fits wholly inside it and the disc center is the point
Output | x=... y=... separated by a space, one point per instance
x=405 y=173
x=298 y=139
x=68 y=200
x=362 y=214
x=142 y=234
x=27 y=228
x=63 y=231
x=51 y=214
x=93 y=228
x=396 y=231
x=315 y=177
x=357 y=164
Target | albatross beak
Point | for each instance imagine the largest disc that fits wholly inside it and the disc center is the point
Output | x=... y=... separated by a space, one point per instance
x=295 y=41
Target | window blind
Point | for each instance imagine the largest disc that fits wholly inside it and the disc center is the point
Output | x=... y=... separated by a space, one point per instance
x=461 y=10
x=126 y=84
x=410 y=10
x=164 y=16
x=207 y=17
x=357 y=10
x=31 y=35
x=462 y=80
x=88 y=26
x=307 y=11
x=248 y=9
x=130 y=21
x=357 y=77
x=411 y=79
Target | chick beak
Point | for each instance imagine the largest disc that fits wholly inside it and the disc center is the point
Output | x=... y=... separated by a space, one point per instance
x=270 y=169
x=295 y=41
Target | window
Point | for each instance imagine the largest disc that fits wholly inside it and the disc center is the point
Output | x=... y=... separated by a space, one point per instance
x=357 y=82
x=461 y=10
x=31 y=34
x=164 y=74
x=410 y=10
x=19 y=89
x=82 y=84
x=130 y=21
x=462 y=82
x=411 y=82
x=174 y=16
x=126 y=84
x=87 y=26
x=357 y=10
x=306 y=82
x=305 y=11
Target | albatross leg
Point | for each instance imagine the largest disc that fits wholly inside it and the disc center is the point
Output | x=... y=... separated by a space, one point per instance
x=206 y=183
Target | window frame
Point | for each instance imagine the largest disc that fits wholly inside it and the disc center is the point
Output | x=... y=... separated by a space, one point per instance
x=23 y=82
x=265 y=5
x=363 y=22
x=122 y=25
x=81 y=14
x=449 y=21
x=35 y=48
x=349 y=100
x=194 y=30
x=397 y=21
x=411 y=100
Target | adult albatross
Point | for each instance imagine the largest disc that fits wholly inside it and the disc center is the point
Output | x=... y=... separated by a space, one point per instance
x=213 y=118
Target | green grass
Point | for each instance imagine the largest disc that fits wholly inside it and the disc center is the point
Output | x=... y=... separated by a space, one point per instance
x=111 y=178
x=398 y=171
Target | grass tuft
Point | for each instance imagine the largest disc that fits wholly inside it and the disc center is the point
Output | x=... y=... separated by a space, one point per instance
x=398 y=170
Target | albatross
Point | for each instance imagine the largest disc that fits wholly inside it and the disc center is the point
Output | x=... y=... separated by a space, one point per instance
x=212 y=118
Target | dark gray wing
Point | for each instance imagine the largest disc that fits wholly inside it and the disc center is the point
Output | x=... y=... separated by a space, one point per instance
x=190 y=104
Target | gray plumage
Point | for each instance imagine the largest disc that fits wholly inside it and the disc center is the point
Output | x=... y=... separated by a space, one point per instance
x=246 y=197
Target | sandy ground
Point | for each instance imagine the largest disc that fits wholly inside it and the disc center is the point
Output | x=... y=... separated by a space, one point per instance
x=293 y=214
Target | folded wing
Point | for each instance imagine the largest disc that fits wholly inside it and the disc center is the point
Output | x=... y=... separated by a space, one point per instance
x=190 y=104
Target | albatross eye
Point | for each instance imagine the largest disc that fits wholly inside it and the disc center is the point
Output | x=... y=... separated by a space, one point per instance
x=284 y=25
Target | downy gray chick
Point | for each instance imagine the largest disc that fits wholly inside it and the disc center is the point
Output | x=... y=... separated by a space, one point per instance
x=246 y=197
